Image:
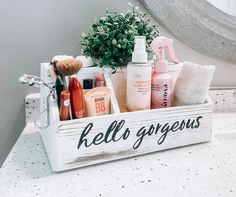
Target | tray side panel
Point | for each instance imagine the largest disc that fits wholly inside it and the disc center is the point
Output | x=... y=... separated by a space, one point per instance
x=129 y=134
x=49 y=137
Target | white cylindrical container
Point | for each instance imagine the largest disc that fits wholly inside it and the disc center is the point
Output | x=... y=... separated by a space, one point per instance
x=138 y=94
x=138 y=87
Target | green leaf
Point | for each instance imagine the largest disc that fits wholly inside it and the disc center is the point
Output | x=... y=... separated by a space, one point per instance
x=108 y=54
x=123 y=45
x=111 y=38
x=114 y=42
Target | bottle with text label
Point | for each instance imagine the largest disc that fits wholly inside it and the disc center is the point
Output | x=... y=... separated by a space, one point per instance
x=138 y=94
x=161 y=88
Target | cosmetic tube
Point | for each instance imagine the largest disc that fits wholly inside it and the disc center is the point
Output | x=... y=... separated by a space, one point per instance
x=59 y=86
x=99 y=80
x=138 y=91
x=65 y=105
x=87 y=85
x=76 y=98
x=97 y=101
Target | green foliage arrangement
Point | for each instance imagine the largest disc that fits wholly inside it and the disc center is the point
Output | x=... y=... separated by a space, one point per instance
x=111 y=40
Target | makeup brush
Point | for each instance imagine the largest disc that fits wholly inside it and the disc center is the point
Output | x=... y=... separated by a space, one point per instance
x=68 y=68
x=53 y=66
x=52 y=72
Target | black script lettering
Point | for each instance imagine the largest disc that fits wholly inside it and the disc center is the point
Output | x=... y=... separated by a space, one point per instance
x=141 y=133
x=151 y=130
x=165 y=95
x=98 y=137
x=182 y=125
x=109 y=130
x=175 y=126
x=165 y=129
x=118 y=128
x=190 y=124
x=101 y=137
x=83 y=135
x=157 y=128
x=126 y=134
x=198 y=122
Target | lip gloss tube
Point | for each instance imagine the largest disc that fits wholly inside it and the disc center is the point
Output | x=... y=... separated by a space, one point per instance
x=99 y=80
x=65 y=105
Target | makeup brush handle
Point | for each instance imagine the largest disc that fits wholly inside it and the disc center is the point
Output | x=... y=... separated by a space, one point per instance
x=67 y=81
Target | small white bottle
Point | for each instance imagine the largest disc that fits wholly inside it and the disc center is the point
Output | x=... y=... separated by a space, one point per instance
x=139 y=71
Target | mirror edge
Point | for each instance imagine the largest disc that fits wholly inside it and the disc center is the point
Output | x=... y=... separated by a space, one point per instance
x=198 y=24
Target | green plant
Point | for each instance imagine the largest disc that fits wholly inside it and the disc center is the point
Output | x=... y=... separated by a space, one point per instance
x=111 y=40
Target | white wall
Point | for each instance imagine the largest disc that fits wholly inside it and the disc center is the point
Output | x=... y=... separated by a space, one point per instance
x=32 y=31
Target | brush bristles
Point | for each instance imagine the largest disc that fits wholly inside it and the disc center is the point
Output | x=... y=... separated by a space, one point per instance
x=69 y=67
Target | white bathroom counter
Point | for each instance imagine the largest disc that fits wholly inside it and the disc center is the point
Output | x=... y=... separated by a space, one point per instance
x=206 y=169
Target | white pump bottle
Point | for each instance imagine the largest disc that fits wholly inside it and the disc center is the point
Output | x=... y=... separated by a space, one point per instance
x=138 y=94
x=161 y=87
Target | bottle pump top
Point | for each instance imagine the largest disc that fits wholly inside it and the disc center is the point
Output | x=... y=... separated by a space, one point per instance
x=158 y=46
x=140 y=55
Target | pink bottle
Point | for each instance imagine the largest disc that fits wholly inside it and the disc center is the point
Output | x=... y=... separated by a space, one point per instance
x=161 y=89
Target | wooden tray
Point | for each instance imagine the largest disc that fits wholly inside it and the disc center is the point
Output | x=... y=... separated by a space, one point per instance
x=82 y=142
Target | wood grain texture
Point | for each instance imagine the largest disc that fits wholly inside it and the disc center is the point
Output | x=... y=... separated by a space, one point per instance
x=198 y=24
x=120 y=135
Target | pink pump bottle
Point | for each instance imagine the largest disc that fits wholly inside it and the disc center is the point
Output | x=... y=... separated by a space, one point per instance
x=161 y=88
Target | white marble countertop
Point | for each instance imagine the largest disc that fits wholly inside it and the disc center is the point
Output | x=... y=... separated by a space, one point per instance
x=206 y=169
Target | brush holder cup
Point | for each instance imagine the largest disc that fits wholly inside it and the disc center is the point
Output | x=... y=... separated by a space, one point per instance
x=91 y=140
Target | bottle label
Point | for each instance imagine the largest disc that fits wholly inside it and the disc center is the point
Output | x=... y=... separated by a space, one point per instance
x=78 y=114
x=100 y=106
x=66 y=102
x=161 y=93
x=138 y=88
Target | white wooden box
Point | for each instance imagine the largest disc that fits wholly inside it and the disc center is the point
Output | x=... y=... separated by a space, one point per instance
x=82 y=142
